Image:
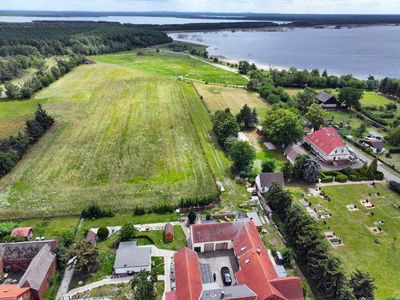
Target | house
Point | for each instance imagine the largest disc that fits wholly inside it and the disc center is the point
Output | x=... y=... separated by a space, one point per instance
x=168 y=232
x=18 y=256
x=376 y=145
x=255 y=278
x=265 y=180
x=292 y=152
x=39 y=272
x=131 y=259
x=327 y=144
x=327 y=101
x=24 y=232
x=14 y=292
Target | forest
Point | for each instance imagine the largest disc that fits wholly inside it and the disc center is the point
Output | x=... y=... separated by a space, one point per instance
x=27 y=46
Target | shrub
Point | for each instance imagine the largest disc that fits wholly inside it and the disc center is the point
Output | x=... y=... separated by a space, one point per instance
x=379 y=176
x=355 y=178
x=327 y=179
x=102 y=233
x=139 y=211
x=341 y=178
x=394 y=150
x=93 y=211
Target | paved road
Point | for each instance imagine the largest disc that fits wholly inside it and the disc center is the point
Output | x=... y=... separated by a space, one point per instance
x=388 y=175
x=68 y=274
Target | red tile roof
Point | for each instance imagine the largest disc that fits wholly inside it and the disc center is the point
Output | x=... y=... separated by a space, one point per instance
x=12 y=291
x=21 y=232
x=202 y=233
x=169 y=228
x=325 y=139
x=187 y=275
x=170 y=295
x=290 y=287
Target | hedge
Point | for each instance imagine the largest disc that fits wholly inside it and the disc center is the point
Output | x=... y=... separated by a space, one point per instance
x=394 y=150
x=327 y=179
x=355 y=178
x=330 y=173
x=341 y=178
x=394 y=186
x=379 y=176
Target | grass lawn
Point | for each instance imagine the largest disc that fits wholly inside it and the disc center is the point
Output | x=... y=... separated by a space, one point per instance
x=157 y=265
x=218 y=97
x=393 y=161
x=344 y=117
x=13 y=115
x=173 y=65
x=293 y=91
x=123 y=136
x=360 y=251
x=373 y=99
x=277 y=155
x=121 y=291
x=156 y=237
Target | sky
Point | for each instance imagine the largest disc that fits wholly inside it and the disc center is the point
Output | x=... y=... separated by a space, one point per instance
x=266 y=6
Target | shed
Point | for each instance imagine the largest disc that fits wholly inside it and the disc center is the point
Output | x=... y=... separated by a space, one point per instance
x=168 y=232
x=131 y=259
x=265 y=180
x=24 y=232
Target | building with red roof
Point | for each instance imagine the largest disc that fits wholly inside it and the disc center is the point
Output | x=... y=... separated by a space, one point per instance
x=256 y=277
x=14 y=292
x=327 y=144
x=24 y=232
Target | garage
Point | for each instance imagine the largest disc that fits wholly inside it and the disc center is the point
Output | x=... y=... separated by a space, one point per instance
x=221 y=246
x=209 y=247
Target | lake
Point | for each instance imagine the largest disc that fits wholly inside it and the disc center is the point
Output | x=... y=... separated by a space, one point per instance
x=120 y=19
x=360 y=51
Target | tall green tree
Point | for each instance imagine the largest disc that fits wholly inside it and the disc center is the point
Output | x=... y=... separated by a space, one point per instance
x=363 y=285
x=304 y=100
x=142 y=285
x=315 y=116
x=393 y=137
x=242 y=154
x=283 y=127
x=268 y=165
x=86 y=257
x=127 y=232
x=311 y=170
x=224 y=126
x=350 y=96
x=244 y=67
x=246 y=117
x=12 y=91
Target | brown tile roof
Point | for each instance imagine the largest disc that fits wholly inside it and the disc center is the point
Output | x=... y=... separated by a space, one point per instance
x=24 y=250
x=169 y=228
x=202 y=233
x=21 y=231
x=12 y=292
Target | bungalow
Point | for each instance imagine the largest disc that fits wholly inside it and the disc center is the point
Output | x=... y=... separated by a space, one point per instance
x=376 y=145
x=24 y=232
x=327 y=101
x=327 y=144
x=131 y=259
x=168 y=232
x=265 y=180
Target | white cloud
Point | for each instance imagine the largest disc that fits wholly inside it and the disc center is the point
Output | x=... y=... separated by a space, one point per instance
x=273 y=6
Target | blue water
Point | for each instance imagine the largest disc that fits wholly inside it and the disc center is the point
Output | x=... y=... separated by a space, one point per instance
x=359 y=51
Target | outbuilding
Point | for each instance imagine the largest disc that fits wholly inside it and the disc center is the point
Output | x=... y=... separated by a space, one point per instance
x=24 y=232
x=265 y=180
x=168 y=232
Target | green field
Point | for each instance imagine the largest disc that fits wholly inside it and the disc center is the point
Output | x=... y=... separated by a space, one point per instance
x=126 y=133
x=373 y=99
x=360 y=250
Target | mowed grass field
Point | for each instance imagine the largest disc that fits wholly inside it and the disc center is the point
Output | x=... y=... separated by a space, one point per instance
x=125 y=135
x=377 y=254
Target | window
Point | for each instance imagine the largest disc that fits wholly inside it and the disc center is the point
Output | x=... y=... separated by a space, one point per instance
x=247 y=261
x=242 y=249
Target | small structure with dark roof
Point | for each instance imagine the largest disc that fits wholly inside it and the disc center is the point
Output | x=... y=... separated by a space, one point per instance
x=265 y=180
x=24 y=232
x=131 y=259
x=39 y=272
x=168 y=232
x=327 y=101
x=293 y=151
x=376 y=145
x=91 y=237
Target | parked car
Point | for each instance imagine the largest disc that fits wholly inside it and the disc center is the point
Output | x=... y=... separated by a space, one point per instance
x=226 y=276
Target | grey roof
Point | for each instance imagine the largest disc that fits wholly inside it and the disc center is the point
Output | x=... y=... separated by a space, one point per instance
x=230 y=292
x=130 y=255
x=255 y=218
x=376 y=143
x=324 y=97
x=266 y=179
x=38 y=269
x=24 y=250
x=291 y=152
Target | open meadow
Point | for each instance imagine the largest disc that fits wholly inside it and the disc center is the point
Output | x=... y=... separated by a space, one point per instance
x=364 y=249
x=125 y=134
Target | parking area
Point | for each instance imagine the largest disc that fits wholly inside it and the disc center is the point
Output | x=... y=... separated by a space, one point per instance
x=212 y=262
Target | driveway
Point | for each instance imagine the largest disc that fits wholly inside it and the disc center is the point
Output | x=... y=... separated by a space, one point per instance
x=388 y=175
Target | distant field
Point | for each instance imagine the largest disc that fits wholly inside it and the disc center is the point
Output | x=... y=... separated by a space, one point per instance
x=217 y=97
x=173 y=65
x=373 y=99
x=123 y=137
x=13 y=115
x=360 y=251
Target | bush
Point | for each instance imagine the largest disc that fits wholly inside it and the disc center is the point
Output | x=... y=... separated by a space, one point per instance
x=327 y=179
x=394 y=150
x=102 y=233
x=355 y=178
x=379 y=176
x=330 y=173
x=139 y=211
x=341 y=178
x=93 y=211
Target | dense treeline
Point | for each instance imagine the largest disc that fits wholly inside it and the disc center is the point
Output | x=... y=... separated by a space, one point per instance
x=390 y=87
x=24 y=46
x=324 y=271
x=13 y=148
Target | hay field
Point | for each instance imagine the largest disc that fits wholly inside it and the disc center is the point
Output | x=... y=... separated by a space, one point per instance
x=123 y=137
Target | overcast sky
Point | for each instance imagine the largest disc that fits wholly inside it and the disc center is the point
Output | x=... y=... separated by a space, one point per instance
x=278 y=6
